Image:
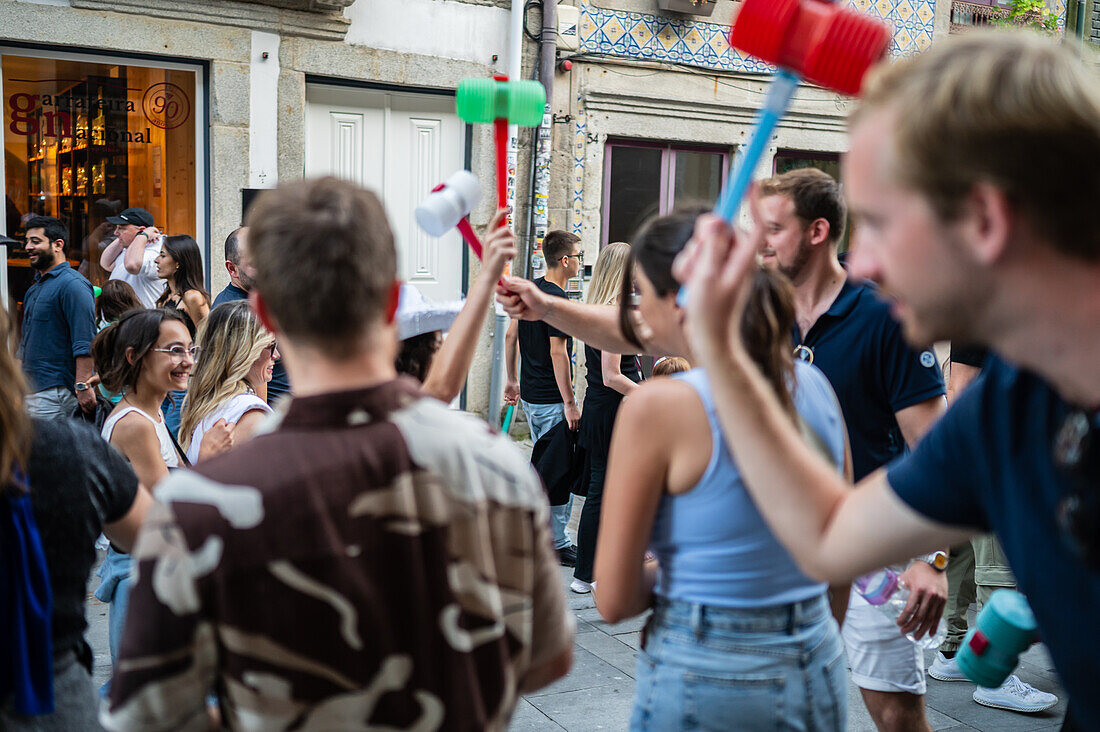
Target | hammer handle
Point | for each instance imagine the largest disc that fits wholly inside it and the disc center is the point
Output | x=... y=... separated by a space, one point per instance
x=500 y=133
x=775 y=105
x=468 y=234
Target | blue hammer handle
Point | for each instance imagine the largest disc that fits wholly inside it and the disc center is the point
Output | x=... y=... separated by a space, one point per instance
x=775 y=106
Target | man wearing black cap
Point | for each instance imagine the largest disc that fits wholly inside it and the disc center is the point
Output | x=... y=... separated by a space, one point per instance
x=132 y=256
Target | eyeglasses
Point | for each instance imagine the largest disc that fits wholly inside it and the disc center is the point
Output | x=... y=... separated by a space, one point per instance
x=178 y=352
x=271 y=348
x=1077 y=456
x=580 y=257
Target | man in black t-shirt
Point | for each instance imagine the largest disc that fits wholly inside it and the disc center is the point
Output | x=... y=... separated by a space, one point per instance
x=545 y=386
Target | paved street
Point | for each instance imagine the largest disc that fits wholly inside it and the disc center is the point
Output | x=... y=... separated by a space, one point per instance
x=597 y=693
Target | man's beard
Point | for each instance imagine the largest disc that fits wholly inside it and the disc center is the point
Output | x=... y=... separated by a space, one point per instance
x=793 y=269
x=247 y=283
x=42 y=262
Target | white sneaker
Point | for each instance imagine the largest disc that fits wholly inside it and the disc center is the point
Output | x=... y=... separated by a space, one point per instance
x=580 y=586
x=1016 y=696
x=945 y=669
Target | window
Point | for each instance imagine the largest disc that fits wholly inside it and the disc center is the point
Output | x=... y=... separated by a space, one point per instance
x=787 y=160
x=86 y=137
x=644 y=179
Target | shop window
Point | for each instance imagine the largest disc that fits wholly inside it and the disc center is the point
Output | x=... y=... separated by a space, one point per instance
x=645 y=179
x=85 y=139
x=787 y=160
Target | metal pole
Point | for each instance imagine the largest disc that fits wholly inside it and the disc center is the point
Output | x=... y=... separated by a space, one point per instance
x=500 y=318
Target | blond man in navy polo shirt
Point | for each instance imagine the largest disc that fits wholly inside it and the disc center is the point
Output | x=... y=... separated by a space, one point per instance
x=970 y=170
x=58 y=326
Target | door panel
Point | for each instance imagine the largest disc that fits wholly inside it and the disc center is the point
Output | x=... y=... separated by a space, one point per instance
x=401 y=146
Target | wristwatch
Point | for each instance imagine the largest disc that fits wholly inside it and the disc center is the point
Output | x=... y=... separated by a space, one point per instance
x=141 y=233
x=938 y=560
x=82 y=386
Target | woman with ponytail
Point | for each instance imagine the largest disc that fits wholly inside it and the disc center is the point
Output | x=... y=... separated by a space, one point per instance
x=143 y=356
x=60 y=486
x=739 y=637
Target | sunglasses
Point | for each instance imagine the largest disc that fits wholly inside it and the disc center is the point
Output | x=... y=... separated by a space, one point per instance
x=1077 y=457
x=271 y=348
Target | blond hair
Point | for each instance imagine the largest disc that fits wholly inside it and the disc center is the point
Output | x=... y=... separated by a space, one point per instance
x=607 y=275
x=15 y=426
x=231 y=339
x=1009 y=108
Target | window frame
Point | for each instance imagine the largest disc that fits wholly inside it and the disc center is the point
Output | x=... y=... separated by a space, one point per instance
x=666 y=197
x=201 y=114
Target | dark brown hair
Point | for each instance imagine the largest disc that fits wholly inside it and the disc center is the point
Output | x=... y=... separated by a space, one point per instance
x=15 y=426
x=325 y=260
x=116 y=298
x=184 y=251
x=556 y=244
x=415 y=357
x=816 y=195
x=769 y=314
x=137 y=329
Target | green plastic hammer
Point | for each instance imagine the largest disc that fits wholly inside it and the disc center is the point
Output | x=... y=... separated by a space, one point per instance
x=501 y=102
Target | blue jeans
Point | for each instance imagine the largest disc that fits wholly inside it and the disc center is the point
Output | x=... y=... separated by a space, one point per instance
x=541 y=418
x=116 y=579
x=711 y=668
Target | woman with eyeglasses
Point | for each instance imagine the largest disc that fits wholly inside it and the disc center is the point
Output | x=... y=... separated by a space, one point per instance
x=143 y=356
x=227 y=399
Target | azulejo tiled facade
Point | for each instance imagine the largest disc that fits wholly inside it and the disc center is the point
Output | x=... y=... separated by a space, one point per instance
x=696 y=43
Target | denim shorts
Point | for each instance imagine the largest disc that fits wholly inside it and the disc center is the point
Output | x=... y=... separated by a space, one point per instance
x=710 y=668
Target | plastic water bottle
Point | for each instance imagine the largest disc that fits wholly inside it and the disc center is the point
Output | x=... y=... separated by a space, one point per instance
x=884 y=590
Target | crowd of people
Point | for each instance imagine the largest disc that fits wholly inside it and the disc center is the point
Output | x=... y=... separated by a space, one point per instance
x=302 y=534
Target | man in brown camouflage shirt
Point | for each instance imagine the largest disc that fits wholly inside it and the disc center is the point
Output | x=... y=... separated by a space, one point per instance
x=377 y=562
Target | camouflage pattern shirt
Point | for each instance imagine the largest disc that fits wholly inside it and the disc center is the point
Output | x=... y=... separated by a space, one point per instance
x=379 y=561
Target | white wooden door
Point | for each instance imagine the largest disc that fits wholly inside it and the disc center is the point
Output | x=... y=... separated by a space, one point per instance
x=400 y=146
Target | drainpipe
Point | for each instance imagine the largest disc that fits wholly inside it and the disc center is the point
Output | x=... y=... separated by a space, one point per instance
x=540 y=184
x=500 y=318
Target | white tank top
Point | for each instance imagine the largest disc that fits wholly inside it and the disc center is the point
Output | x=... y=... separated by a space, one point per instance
x=232 y=410
x=167 y=447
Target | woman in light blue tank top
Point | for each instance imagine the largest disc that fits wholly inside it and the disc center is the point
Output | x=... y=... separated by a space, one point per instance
x=739 y=638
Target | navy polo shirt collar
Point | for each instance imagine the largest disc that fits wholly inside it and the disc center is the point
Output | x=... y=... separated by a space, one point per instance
x=845 y=300
x=55 y=270
x=843 y=304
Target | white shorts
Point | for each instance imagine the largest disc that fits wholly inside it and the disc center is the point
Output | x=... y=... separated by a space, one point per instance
x=881 y=658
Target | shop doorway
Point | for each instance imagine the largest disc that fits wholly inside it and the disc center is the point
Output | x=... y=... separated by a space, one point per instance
x=87 y=136
x=399 y=145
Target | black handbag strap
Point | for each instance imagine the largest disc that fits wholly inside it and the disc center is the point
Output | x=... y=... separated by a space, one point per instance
x=182 y=454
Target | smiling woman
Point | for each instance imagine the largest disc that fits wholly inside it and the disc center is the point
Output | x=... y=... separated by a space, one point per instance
x=143 y=356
